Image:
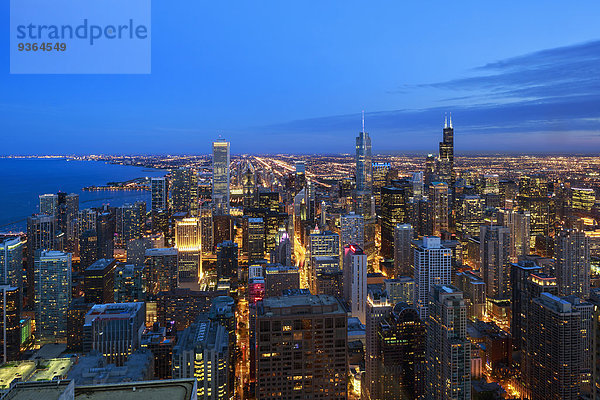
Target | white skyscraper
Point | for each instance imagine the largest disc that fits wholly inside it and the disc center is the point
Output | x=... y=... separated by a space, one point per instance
x=432 y=263
x=220 y=183
x=355 y=280
x=403 y=236
x=520 y=232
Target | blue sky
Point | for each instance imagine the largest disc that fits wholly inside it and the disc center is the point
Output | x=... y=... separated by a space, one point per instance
x=293 y=76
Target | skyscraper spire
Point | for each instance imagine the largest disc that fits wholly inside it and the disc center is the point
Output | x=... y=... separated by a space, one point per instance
x=445 y=120
x=450 y=119
x=363 y=120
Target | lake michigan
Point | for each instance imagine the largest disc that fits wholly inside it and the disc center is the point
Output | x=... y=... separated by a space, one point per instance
x=22 y=180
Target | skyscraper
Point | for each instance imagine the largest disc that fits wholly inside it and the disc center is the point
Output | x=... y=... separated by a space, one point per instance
x=403 y=236
x=202 y=352
x=352 y=229
x=380 y=173
x=438 y=211
x=377 y=309
x=184 y=191
x=520 y=232
x=321 y=244
x=364 y=172
x=446 y=172
x=573 y=269
x=448 y=351
x=401 y=340
x=99 y=281
x=162 y=269
x=160 y=197
x=105 y=229
x=227 y=259
x=432 y=263
x=355 y=280
x=114 y=330
x=52 y=294
x=494 y=245
x=304 y=338
x=220 y=182
x=553 y=357
x=394 y=211
x=11 y=262
x=49 y=204
x=10 y=316
x=189 y=245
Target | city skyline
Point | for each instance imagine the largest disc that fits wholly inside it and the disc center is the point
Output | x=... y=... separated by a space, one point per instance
x=525 y=82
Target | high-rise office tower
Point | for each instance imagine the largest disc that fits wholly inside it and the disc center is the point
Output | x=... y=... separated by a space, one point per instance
x=432 y=262
x=429 y=175
x=184 y=191
x=49 y=204
x=448 y=351
x=41 y=234
x=249 y=186
x=255 y=239
x=227 y=259
x=533 y=197
x=303 y=337
x=394 y=211
x=130 y=283
x=438 y=211
x=377 y=309
x=99 y=281
x=86 y=219
x=64 y=208
x=380 y=173
x=220 y=181
x=10 y=329
x=446 y=171
x=553 y=358
x=469 y=215
x=282 y=253
x=129 y=218
x=352 y=229
x=403 y=252
x=189 y=245
x=11 y=262
x=202 y=352
x=401 y=340
x=105 y=230
x=520 y=232
x=364 y=172
x=321 y=244
x=162 y=269
x=355 y=280
x=299 y=176
x=114 y=330
x=159 y=192
x=52 y=282
x=527 y=282
x=88 y=249
x=417 y=183
x=494 y=250
x=206 y=224
x=573 y=269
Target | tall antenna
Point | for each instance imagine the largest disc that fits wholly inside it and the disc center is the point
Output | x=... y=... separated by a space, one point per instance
x=363 y=121
x=445 y=120
x=450 y=119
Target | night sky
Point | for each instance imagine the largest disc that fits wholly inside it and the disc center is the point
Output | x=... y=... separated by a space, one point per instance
x=293 y=76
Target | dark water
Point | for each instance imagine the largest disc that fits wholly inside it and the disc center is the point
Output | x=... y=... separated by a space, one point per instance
x=23 y=180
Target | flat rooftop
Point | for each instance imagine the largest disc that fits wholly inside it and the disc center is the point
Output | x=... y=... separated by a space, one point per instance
x=172 y=389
